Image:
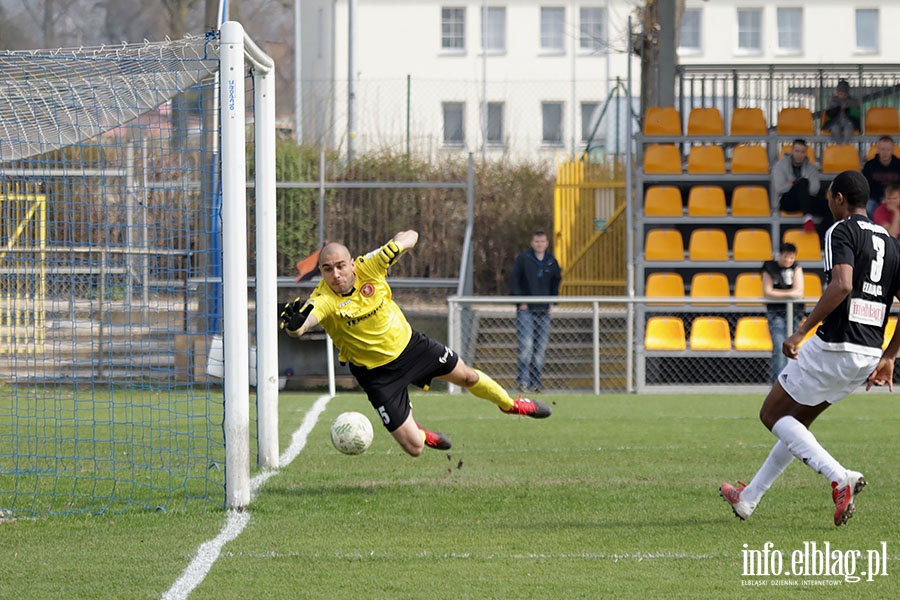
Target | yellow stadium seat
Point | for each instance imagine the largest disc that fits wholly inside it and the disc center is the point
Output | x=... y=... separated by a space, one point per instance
x=710 y=333
x=665 y=285
x=748 y=121
x=708 y=244
x=710 y=285
x=748 y=285
x=812 y=285
x=663 y=201
x=752 y=244
x=840 y=157
x=706 y=201
x=882 y=120
x=664 y=244
x=662 y=159
x=707 y=159
x=750 y=201
x=795 y=121
x=749 y=158
x=889 y=328
x=807 y=242
x=664 y=333
x=662 y=121
x=705 y=121
x=752 y=333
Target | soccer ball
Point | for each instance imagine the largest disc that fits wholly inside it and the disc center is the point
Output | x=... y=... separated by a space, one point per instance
x=351 y=433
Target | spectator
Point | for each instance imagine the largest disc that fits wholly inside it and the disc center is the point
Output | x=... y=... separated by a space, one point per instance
x=782 y=278
x=795 y=182
x=880 y=170
x=842 y=114
x=888 y=212
x=535 y=273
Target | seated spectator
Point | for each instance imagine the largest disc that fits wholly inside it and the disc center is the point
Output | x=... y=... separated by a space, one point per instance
x=842 y=114
x=795 y=182
x=881 y=170
x=888 y=212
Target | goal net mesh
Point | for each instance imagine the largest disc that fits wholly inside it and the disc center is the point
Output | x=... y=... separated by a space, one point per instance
x=110 y=270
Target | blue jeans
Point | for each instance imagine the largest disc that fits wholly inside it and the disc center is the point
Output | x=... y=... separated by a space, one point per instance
x=533 y=332
x=778 y=331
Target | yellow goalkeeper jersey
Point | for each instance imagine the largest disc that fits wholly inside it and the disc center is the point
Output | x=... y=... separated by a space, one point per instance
x=366 y=325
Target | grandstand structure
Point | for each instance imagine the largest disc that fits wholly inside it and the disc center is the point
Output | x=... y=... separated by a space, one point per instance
x=705 y=217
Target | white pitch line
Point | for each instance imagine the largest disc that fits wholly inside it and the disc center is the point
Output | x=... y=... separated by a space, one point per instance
x=237 y=520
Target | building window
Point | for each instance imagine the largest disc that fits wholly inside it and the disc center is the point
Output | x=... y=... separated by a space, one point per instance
x=495 y=124
x=592 y=29
x=552 y=113
x=867 y=30
x=689 y=40
x=553 y=29
x=453 y=28
x=587 y=122
x=749 y=30
x=454 y=123
x=790 y=30
x=493 y=29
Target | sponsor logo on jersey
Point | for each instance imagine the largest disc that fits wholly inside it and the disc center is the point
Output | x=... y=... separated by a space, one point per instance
x=866 y=312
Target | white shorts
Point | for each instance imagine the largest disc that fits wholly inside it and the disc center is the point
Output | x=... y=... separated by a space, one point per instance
x=819 y=375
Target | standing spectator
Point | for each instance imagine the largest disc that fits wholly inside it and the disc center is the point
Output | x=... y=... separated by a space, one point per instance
x=782 y=278
x=795 y=182
x=842 y=114
x=880 y=170
x=888 y=212
x=535 y=273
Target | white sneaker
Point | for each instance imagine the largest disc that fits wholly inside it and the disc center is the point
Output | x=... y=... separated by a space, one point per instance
x=844 y=496
x=732 y=495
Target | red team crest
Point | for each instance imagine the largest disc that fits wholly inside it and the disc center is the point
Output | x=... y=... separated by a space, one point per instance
x=367 y=290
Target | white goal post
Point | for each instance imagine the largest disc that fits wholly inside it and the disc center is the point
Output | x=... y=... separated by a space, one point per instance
x=236 y=47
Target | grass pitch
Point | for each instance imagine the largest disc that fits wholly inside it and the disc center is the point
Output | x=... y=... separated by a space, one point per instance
x=614 y=496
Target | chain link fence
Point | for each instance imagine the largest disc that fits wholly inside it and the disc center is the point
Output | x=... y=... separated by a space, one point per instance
x=599 y=345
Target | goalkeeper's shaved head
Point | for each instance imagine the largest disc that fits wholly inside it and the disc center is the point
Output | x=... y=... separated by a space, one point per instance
x=332 y=253
x=338 y=269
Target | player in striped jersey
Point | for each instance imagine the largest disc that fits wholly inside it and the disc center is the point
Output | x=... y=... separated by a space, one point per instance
x=354 y=304
x=862 y=268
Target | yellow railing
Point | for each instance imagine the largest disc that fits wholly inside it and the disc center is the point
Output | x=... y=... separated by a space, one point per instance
x=23 y=281
x=589 y=227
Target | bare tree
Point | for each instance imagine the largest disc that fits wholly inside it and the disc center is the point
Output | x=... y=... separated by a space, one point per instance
x=646 y=44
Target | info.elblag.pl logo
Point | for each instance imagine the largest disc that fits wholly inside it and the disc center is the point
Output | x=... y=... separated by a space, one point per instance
x=815 y=563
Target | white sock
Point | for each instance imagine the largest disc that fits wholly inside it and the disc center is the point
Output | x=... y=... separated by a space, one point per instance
x=779 y=458
x=804 y=445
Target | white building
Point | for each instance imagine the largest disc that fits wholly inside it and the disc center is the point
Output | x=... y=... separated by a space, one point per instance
x=422 y=76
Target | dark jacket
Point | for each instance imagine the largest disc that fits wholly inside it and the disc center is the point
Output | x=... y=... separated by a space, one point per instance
x=533 y=277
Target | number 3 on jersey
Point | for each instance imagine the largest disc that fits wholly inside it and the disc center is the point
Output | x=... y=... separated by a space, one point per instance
x=878 y=262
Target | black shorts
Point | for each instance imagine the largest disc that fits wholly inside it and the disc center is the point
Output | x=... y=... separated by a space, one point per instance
x=386 y=386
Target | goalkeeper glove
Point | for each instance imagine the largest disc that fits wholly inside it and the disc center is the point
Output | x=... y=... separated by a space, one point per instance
x=292 y=318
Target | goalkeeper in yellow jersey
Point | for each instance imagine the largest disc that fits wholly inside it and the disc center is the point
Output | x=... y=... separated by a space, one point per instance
x=354 y=304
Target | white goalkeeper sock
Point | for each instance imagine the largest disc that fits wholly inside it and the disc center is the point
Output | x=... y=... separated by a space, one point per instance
x=804 y=445
x=778 y=460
